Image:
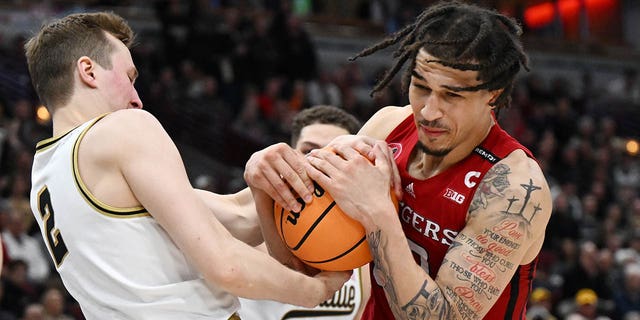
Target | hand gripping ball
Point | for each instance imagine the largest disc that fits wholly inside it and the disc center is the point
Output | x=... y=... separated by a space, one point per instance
x=322 y=235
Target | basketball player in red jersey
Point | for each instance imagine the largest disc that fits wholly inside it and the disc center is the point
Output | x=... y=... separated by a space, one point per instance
x=475 y=203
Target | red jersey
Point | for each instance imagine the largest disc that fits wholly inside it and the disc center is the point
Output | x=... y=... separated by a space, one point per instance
x=433 y=211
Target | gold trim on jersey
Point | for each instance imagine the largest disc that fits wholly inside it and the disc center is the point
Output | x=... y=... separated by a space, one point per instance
x=46 y=143
x=111 y=211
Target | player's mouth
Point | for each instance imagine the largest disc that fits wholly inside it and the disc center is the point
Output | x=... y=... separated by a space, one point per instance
x=432 y=132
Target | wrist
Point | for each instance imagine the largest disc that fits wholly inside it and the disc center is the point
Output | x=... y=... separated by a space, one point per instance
x=380 y=217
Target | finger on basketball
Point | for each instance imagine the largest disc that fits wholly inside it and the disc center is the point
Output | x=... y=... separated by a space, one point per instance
x=325 y=162
x=361 y=144
x=299 y=182
x=294 y=173
x=317 y=175
x=347 y=152
x=280 y=191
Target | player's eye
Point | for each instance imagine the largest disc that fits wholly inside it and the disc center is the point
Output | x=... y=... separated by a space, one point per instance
x=453 y=95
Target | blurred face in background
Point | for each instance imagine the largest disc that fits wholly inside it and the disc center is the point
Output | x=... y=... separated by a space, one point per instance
x=53 y=302
x=317 y=135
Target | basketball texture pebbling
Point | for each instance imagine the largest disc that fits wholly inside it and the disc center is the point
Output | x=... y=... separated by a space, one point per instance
x=322 y=235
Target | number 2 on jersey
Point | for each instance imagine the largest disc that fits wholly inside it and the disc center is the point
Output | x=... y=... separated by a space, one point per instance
x=55 y=243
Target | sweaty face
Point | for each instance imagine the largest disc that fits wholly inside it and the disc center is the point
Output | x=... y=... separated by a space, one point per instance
x=117 y=83
x=317 y=135
x=445 y=118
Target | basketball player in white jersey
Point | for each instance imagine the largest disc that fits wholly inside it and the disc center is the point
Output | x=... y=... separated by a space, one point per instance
x=311 y=129
x=127 y=232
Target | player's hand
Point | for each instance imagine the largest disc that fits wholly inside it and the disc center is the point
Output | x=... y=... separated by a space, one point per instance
x=280 y=171
x=365 y=145
x=332 y=281
x=359 y=187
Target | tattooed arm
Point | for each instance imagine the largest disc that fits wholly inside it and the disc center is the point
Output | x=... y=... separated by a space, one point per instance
x=505 y=223
x=505 y=228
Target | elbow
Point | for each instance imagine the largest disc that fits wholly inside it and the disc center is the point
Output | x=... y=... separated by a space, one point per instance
x=229 y=276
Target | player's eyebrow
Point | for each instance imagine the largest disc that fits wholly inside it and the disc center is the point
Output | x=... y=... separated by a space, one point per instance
x=417 y=75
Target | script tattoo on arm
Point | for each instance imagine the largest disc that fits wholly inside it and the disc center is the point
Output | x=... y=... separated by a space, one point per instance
x=486 y=253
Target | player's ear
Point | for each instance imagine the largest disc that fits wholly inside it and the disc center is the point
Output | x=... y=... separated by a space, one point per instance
x=493 y=96
x=86 y=71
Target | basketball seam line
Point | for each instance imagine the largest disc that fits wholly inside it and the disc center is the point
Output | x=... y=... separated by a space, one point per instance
x=313 y=226
x=341 y=255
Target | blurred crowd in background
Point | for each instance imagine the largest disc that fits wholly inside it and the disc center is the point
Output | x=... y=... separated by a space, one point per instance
x=226 y=77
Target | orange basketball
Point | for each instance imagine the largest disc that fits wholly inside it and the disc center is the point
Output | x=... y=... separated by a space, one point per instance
x=322 y=235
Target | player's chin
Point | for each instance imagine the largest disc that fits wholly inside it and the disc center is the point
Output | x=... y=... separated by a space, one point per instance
x=436 y=151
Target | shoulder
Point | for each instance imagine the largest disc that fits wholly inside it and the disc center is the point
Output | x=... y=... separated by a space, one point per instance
x=125 y=126
x=512 y=204
x=381 y=124
x=123 y=131
x=523 y=166
x=128 y=119
x=520 y=179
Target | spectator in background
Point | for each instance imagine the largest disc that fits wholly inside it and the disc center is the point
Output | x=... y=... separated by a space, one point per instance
x=4 y=314
x=586 y=274
x=562 y=224
x=2 y=258
x=33 y=311
x=626 y=86
x=540 y=305
x=53 y=305
x=22 y=246
x=18 y=290
x=175 y=24
x=260 y=54
x=627 y=299
x=586 y=302
x=323 y=91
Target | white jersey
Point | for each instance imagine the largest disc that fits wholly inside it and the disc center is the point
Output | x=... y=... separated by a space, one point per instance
x=343 y=306
x=118 y=263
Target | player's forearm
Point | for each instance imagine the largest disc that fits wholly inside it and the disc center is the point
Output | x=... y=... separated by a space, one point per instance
x=236 y=212
x=253 y=274
x=264 y=207
x=411 y=293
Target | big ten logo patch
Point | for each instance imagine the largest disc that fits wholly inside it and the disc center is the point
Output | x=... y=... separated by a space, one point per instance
x=454 y=195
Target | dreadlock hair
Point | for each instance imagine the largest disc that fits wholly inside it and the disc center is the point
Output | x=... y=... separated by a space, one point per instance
x=464 y=37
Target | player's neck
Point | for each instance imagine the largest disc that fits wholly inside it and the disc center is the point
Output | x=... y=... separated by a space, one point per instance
x=70 y=116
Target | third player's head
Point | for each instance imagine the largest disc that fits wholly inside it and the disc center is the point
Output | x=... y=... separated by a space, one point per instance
x=315 y=127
